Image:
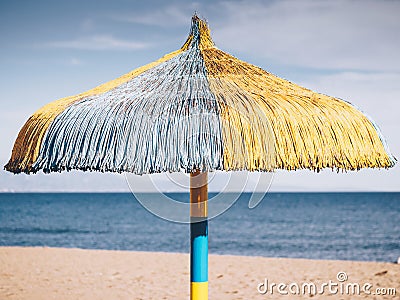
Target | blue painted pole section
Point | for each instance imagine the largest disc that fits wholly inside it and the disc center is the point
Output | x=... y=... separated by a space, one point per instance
x=199 y=250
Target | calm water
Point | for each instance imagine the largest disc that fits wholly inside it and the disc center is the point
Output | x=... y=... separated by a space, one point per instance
x=350 y=226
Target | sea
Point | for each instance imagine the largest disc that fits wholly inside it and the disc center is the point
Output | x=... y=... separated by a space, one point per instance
x=338 y=226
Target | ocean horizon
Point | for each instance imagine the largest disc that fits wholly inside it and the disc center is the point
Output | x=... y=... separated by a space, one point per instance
x=362 y=226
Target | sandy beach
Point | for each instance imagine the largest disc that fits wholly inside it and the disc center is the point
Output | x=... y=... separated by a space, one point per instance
x=59 y=273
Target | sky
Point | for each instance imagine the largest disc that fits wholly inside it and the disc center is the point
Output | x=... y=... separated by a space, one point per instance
x=346 y=49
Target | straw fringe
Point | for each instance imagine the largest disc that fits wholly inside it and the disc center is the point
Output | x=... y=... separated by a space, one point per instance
x=311 y=130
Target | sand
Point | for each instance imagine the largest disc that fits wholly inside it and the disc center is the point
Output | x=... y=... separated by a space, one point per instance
x=58 y=273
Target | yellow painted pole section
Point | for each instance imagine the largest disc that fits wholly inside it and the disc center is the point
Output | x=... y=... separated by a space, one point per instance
x=199 y=290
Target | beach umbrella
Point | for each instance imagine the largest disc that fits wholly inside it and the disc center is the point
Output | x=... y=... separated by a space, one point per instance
x=198 y=109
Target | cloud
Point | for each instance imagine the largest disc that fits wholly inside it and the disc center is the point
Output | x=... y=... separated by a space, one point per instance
x=173 y=15
x=369 y=180
x=75 y=61
x=87 y=24
x=97 y=42
x=74 y=181
x=351 y=35
x=374 y=92
x=337 y=35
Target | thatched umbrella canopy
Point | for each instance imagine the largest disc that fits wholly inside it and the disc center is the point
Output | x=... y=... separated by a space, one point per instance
x=198 y=109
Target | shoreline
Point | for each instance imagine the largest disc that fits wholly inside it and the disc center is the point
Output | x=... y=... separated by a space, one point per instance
x=211 y=254
x=73 y=273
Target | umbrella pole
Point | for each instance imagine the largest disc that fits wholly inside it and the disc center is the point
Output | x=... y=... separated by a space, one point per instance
x=198 y=236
